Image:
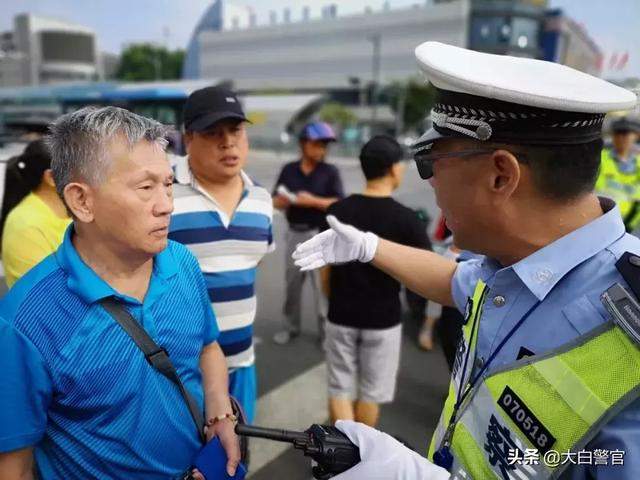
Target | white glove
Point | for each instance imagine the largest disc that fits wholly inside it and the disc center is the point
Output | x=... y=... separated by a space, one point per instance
x=382 y=457
x=340 y=244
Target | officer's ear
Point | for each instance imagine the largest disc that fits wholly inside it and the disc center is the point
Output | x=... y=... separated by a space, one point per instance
x=505 y=173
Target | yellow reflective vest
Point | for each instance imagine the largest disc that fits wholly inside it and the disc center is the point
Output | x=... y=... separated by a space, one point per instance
x=554 y=403
x=623 y=188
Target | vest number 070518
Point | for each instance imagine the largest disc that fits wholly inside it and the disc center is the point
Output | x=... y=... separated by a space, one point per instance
x=526 y=421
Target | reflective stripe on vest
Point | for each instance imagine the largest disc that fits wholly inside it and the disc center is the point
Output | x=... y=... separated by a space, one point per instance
x=556 y=401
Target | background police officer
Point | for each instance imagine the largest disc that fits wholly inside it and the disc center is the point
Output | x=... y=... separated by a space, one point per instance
x=513 y=159
x=619 y=177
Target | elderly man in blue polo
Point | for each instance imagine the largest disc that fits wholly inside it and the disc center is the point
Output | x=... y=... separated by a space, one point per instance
x=79 y=398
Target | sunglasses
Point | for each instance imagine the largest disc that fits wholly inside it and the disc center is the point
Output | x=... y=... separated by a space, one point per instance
x=425 y=160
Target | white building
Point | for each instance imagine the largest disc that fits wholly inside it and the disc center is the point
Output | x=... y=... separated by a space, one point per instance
x=331 y=52
x=296 y=51
x=43 y=50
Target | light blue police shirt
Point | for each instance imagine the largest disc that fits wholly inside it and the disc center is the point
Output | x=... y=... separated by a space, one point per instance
x=568 y=277
x=76 y=387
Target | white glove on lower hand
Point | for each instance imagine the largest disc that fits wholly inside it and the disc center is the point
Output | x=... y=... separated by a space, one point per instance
x=382 y=457
x=340 y=244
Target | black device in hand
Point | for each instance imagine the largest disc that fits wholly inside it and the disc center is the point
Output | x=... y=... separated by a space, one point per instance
x=328 y=446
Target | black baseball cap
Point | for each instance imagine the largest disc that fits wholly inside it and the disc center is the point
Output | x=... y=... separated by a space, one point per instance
x=209 y=105
x=378 y=154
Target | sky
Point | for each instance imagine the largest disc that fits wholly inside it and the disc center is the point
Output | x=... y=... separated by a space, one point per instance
x=613 y=24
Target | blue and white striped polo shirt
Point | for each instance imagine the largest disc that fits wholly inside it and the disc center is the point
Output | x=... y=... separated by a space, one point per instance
x=228 y=250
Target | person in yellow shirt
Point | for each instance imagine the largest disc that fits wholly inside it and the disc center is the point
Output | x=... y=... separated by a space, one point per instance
x=34 y=218
x=619 y=177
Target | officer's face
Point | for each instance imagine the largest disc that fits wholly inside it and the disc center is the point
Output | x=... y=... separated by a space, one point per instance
x=459 y=188
x=624 y=141
x=219 y=153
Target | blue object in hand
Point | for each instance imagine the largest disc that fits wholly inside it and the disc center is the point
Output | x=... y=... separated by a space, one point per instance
x=211 y=461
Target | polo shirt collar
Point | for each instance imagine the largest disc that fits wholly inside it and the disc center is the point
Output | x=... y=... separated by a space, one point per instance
x=543 y=269
x=86 y=283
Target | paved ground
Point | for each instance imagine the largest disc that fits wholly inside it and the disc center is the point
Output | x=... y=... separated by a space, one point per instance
x=292 y=379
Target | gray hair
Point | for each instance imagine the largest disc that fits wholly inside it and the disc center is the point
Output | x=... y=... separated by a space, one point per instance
x=78 y=142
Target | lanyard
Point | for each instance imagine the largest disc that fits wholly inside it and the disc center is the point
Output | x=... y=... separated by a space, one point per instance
x=470 y=386
x=443 y=457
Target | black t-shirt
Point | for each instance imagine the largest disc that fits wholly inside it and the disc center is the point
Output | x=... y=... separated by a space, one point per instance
x=323 y=181
x=362 y=296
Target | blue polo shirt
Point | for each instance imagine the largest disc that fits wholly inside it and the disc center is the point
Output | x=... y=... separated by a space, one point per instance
x=76 y=387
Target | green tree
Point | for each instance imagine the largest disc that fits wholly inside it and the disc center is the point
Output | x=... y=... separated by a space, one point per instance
x=419 y=98
x=337 y=114
x=145 y=61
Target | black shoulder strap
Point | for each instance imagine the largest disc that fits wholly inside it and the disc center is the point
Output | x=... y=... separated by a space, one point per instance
x=157 y=356
x=629 y=267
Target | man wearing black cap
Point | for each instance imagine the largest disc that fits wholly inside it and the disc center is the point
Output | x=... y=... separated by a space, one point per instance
x=225 y=220
x=546 y=375
x=363 y=331
x=619 y=177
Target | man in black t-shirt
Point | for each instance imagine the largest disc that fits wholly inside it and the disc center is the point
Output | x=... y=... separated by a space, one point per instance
x=304 y=190
x=364 y=328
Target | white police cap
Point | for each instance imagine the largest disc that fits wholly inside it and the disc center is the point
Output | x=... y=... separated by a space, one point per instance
x=514 y=100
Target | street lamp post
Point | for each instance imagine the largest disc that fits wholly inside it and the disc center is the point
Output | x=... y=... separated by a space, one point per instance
x=375 y=75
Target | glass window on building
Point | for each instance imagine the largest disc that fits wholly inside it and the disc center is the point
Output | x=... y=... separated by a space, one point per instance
x=490 y=31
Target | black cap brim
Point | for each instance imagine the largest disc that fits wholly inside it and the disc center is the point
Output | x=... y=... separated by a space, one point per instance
x=205 y=122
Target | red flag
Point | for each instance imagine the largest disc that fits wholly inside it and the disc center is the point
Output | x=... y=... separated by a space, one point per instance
x=613 y=61
x=624 y=58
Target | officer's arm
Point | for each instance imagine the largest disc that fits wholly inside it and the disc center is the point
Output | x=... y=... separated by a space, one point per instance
x=17 y=465
x=426 y=273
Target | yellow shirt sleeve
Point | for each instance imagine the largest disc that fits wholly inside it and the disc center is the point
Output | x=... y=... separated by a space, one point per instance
x=22 y=251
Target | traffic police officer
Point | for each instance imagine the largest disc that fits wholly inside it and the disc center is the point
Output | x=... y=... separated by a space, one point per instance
x=513 y=158
x=619 y=176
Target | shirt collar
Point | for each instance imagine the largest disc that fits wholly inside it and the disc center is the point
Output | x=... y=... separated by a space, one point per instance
x=183 y=174
x=86 y=283
x=625 y=165
x=543 y=269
